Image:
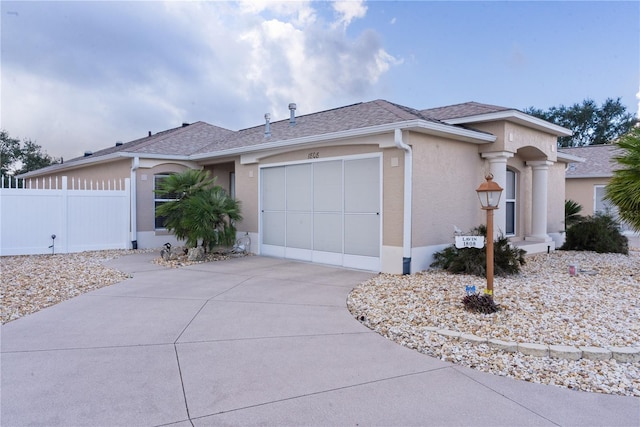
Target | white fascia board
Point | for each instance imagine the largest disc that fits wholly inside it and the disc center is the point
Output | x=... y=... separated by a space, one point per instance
x=514 y=116
x=156 y=156
x=415 y=125
x=569 y=158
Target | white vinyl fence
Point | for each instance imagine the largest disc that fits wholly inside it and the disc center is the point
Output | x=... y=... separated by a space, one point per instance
x=82 y=215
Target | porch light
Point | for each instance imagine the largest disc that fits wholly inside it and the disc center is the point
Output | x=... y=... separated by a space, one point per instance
x=489 y=194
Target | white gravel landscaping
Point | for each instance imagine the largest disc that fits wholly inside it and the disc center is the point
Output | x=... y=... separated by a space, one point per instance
x=544 y=305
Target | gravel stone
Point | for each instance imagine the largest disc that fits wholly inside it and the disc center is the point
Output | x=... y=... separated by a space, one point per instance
x=542 y=305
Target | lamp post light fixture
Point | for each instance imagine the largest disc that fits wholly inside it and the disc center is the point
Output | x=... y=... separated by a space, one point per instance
x=489 y=194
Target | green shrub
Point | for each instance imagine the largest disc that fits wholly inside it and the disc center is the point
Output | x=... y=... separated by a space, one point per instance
x=506 y=259
x=599 y=233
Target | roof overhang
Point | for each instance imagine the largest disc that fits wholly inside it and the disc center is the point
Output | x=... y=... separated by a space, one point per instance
x=569 y=158
x=513 y=116
x=421 y=126
x=89 y=160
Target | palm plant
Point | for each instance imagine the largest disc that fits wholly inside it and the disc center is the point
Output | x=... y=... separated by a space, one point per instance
x=201 y=211
x=572 y=211
x=624 y=188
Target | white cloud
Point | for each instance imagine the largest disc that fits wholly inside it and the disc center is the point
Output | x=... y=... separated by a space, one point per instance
x=348 y=10
x=112 y=71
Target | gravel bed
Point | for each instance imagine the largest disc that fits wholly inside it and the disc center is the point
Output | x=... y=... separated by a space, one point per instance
x=543 y=305
x=30 y=283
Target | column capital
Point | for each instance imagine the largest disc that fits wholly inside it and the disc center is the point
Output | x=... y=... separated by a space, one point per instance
x=497 y=155
x=539 y=164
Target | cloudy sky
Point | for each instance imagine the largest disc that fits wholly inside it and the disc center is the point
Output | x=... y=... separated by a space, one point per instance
x=82 y=75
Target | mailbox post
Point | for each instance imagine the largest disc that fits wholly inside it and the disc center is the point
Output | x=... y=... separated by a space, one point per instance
x=489 y=194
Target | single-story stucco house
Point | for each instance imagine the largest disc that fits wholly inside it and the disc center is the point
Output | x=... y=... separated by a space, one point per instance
x=586 y=180
x=373 y=185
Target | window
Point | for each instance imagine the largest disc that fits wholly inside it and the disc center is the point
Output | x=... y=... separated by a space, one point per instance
x=510 y=199
x=600 y=205
x=232 y=185
x=159 y=200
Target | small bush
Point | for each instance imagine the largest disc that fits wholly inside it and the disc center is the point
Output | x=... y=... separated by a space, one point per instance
x=599 y=233
x=480 y=304
x=506 y=259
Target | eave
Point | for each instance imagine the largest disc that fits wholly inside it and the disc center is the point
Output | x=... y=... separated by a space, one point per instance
x=513 y=116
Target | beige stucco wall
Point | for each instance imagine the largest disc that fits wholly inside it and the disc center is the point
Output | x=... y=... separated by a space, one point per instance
x=446 y=175
x=222 y=173
x=116 y=170
x=581 y=190
x=511 y=137
x=247 y=193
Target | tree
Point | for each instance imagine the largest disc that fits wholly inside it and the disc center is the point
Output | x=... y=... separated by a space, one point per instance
x=591 y=124
x=21 y=157
x=624 y=188
x=201 y=211
x=9 y=152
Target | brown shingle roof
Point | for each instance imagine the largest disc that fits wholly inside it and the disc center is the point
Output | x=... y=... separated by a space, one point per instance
x=355 y=116
x=466 y=109
x=599 y=162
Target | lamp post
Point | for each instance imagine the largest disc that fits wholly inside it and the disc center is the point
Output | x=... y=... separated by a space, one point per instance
x=489 y=194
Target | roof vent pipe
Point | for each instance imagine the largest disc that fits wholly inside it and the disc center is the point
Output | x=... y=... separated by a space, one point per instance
x=149 y=133
x=267 y=125
x=88 y=153
x=118 y=143
x=292 y=111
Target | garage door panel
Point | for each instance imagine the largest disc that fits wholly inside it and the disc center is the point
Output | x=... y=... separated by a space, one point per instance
x=327 y=186
x=273 y=228
x=299 y=230
x=362 y=185
x=273 y=189
x=298 y=178
x=362 y=235
x=327 y=232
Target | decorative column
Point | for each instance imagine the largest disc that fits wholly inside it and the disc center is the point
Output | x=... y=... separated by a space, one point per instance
x=539 y=197
x=498 y=168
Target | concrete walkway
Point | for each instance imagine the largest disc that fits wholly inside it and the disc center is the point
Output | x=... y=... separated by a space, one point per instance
x=251 y=341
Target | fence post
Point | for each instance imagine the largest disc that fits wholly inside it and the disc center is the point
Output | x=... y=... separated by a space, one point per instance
x=64 y=205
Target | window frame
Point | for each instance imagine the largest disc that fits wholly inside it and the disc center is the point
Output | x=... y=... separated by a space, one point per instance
x=511 y=201
x=158 y=201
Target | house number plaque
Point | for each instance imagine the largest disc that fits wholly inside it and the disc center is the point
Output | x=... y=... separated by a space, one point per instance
x=313 y=155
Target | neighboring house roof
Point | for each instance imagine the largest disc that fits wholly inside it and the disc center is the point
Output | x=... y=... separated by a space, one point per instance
x=598 y=162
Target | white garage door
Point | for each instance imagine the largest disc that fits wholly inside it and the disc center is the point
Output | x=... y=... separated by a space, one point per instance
x=325 y=211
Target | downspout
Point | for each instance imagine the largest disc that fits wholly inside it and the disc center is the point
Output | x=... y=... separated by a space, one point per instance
x=134 y=202
x=408 y=193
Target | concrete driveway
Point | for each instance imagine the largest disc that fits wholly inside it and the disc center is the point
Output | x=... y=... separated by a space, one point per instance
x=251 y=341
